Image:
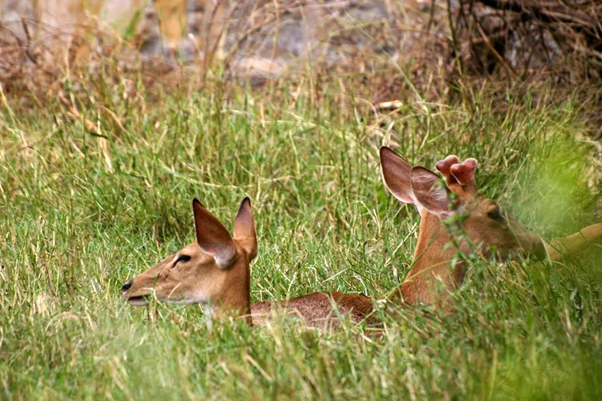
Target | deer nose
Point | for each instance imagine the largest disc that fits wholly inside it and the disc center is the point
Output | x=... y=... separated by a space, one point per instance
x=126 y=286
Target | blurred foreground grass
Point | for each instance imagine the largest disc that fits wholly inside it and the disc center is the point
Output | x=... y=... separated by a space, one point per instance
x=90 y=198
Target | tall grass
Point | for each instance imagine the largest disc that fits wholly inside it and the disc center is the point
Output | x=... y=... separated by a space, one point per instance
x=89 y=201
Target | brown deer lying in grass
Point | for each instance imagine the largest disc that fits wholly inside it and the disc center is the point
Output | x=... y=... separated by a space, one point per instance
x=215 y=269
x=456 y=214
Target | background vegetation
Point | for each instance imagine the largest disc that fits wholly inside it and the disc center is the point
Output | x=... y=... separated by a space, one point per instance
x=95 y=187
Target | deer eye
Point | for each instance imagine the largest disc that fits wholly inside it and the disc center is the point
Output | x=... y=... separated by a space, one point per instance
x=496 y=215
x=181 y=258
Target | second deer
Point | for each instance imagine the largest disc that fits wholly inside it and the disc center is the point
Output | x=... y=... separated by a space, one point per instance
x=455 y=213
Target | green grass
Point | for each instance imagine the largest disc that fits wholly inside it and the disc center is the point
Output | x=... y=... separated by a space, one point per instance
x=82 y=211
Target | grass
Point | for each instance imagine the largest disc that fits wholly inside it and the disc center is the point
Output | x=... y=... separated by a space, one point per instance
x=85 y=209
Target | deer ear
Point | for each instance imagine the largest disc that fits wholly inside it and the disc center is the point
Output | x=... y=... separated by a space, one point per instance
x=430 y=191
x=397 y=175
x=212 y=236
x=244 y=228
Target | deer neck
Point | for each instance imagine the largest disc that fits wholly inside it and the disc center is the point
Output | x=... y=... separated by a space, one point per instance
x=235 y=302
x=432 y=263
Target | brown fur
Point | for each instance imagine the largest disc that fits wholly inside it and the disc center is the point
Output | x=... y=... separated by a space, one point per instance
x=574 y=243
x=475 y=230
x=470 y=226
x=205 y=278
x=218 y=273
x=317 y=309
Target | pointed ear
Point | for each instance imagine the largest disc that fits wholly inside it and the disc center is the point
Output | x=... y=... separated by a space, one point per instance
x=430 y=191
x=397 y=175
x=244 y=228
x=212 y=236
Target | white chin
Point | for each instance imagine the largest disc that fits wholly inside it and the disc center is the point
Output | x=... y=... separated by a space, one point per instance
x=143 y=301
x=138 y=302
x=189 y=301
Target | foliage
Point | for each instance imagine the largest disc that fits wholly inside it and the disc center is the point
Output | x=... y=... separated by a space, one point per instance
x=95 y=187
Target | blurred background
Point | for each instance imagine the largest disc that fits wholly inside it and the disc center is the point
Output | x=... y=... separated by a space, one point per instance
x=262 y=40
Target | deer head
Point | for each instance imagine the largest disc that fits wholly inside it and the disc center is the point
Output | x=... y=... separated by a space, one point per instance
x=213 y=270
x=452 y=213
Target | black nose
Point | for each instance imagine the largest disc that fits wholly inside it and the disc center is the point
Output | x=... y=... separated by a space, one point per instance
x=126 y=286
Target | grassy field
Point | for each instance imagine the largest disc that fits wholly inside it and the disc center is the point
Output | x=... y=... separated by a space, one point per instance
x=88 y=202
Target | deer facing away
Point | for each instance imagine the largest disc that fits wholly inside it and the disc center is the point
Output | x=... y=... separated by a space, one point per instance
x=215 y=269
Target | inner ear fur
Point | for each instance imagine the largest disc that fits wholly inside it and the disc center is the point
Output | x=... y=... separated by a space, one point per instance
x=212 y=236
x=397 y=175
x=430 y=191
x=244 y=228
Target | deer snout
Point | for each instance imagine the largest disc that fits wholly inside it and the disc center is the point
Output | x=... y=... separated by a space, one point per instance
x=126 y=286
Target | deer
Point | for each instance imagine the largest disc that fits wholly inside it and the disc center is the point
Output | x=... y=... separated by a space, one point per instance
x=453 y=212
x=215 y=271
